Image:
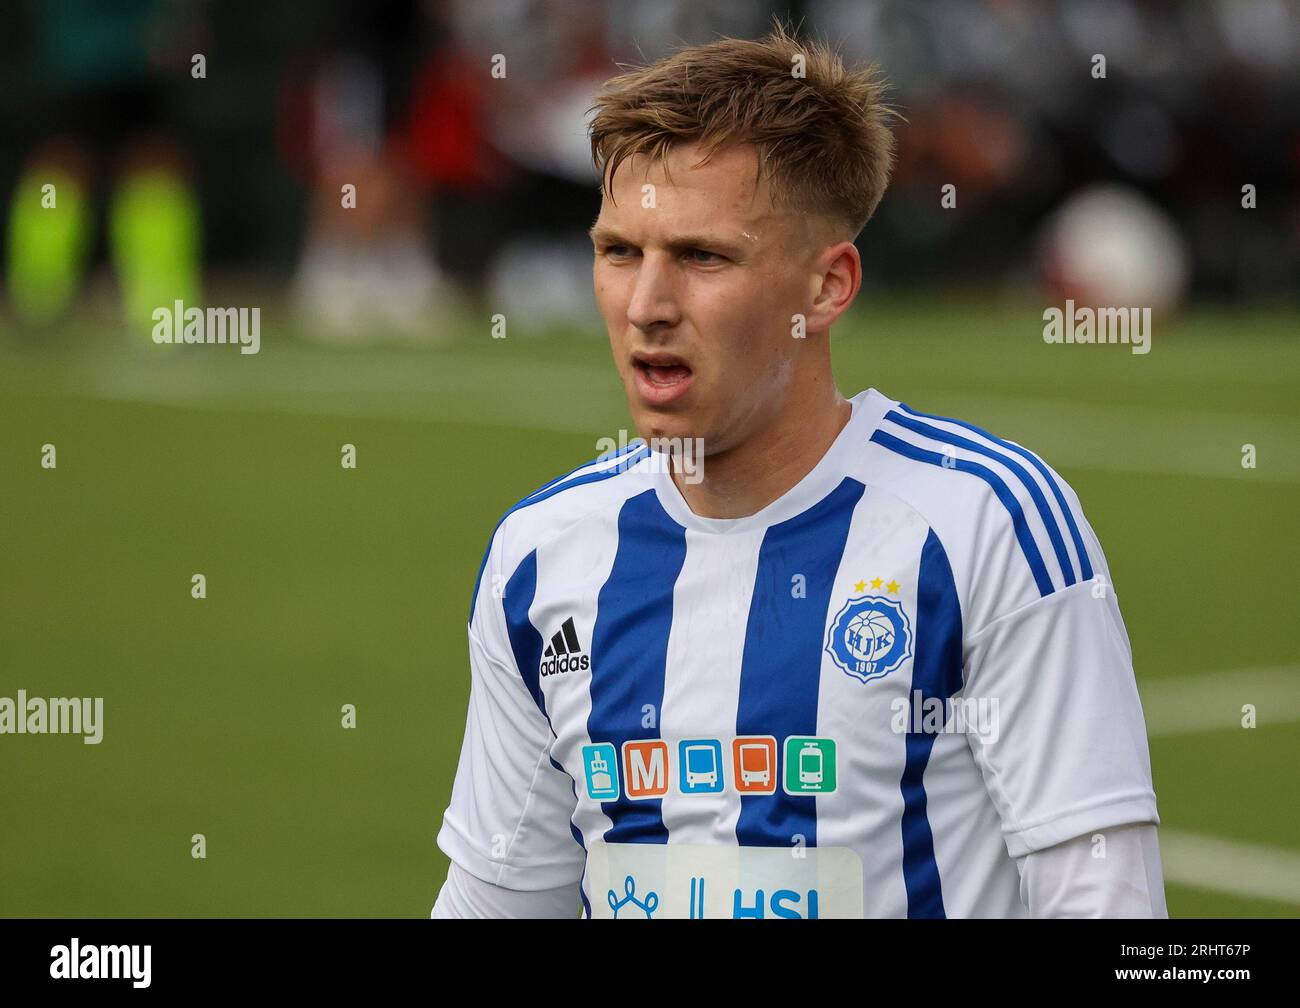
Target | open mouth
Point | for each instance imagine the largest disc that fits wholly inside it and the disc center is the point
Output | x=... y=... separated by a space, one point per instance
x=661 y=377
x=661 y=369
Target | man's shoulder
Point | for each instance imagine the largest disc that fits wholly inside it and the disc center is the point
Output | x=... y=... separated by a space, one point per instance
x=596 y=486
x=986 y=497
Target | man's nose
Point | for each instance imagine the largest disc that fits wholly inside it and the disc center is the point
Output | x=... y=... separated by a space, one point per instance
x=654 y=298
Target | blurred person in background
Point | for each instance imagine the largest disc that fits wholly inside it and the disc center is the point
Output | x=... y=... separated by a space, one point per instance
x=103 y=70
x=497 y=129
x=366 y=270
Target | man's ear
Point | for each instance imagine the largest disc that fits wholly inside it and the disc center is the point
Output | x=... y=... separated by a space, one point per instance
x=838 y=279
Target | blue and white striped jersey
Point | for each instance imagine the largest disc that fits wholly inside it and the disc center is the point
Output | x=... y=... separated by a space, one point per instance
x=867 y=699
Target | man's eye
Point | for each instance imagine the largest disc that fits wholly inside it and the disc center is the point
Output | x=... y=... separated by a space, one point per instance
x=618 y=251
x=703 y=256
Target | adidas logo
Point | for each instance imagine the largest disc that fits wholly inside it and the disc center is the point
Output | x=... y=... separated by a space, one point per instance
x=564 y=652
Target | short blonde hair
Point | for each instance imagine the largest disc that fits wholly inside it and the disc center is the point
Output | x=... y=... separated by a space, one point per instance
x=822 y=132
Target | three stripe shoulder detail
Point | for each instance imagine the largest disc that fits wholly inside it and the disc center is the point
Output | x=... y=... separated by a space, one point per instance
x=1019 y=479
x=598 y=469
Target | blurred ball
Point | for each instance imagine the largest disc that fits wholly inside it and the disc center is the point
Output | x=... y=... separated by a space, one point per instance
x=1110 y=246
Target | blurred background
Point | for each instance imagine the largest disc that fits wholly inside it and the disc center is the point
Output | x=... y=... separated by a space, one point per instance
x=381 y=181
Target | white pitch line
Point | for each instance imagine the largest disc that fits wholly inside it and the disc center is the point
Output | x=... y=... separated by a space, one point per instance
x=1216 y=864
x=1212 y=701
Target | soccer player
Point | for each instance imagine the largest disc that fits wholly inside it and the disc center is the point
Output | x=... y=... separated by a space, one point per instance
x=791 y=654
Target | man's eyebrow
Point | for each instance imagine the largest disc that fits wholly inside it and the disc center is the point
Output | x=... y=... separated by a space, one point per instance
x=605 y=233
x=602 y=232
x=705 y=241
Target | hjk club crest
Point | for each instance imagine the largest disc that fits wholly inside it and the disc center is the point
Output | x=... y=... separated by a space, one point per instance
x=870 y=637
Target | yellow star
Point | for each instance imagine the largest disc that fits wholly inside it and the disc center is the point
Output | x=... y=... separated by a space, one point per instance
x=875 y=582
x=860 y=586
x=892 y=587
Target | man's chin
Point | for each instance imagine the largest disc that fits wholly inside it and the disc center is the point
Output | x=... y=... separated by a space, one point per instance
x=654 y=425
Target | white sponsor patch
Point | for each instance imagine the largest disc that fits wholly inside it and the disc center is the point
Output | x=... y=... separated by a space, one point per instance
x=656 y=881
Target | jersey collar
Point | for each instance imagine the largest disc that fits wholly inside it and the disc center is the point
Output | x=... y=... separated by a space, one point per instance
x=868 y=408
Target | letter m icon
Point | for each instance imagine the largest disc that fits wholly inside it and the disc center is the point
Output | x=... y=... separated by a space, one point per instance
x=645 y=768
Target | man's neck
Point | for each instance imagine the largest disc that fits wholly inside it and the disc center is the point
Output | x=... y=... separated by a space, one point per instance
x=743 y=480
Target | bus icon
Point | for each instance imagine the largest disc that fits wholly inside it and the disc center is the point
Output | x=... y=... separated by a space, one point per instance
x=701 y=766
x=754 y=768
x=755 y=758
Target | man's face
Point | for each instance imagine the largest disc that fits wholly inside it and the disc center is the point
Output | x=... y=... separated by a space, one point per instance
x=698 y=286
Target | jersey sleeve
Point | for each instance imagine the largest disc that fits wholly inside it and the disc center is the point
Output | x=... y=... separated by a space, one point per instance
x=464 y=897
x=1069 y=753
x=1112 y=874
x=508 y=822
